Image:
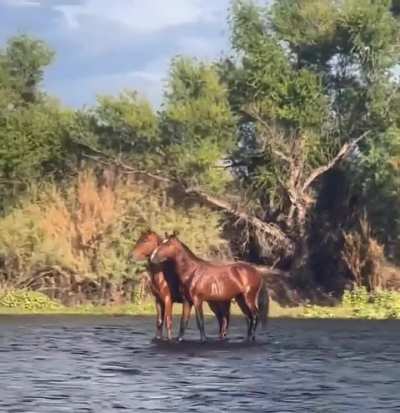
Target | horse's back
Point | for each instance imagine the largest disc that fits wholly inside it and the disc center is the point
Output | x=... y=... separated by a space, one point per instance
x=218 y=281
x=238 y=266
x=243 y=265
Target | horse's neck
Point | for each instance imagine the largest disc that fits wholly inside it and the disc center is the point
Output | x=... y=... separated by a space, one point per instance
x=186 y=263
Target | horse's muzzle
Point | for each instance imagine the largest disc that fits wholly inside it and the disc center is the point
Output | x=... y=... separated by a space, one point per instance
x=134 y=257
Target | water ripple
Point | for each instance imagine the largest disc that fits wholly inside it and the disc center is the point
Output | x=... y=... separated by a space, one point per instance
x=106 y=364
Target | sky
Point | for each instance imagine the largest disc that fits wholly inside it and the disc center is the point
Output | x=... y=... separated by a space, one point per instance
x=105 y=46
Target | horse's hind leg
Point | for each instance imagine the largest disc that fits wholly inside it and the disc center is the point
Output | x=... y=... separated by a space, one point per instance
x=160 y=308
x=186 y=308
x=198 y=305
x=241 y=301
x=251 y=302
x=219 y=314
x=226 y=313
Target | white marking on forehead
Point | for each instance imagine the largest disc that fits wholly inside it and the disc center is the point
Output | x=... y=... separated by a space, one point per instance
x=153 y=254
x=164 y=241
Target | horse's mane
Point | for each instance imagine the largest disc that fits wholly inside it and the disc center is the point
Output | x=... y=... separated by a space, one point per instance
x=189 y=251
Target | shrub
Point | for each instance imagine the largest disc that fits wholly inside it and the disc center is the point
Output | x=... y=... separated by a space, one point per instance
x=28 y=300
x=89 y=228
x=356 y=298
x=364 y=257
x=360 y=303
x=378 y=304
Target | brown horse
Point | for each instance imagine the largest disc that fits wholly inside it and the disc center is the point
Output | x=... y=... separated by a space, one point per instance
x=206 y=281
x=166 y=288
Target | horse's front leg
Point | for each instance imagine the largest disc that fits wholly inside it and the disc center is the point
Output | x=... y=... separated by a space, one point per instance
x=160 y=318
x=168 y=317
x=186 y=309
x=198 y=305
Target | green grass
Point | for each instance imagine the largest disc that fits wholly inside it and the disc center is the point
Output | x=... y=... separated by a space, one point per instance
x=22 y=302
x=380 y=305
x=146 y=308
x=356 y=304
x=129 y=309
x=31 y=302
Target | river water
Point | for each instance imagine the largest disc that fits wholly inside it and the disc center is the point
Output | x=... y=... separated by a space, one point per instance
x=109 y=364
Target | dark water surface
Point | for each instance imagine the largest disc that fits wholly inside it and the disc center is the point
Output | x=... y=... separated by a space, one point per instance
x=109 y=364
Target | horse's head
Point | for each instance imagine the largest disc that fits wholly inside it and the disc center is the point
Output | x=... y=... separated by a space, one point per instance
x=145 y=245
x=167 y=249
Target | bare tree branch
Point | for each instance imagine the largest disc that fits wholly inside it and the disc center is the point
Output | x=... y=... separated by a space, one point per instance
x=281 y=155
x=253 y=114
x=268 y=228
x=343 y=153
x=106 y=160
x=271 y=229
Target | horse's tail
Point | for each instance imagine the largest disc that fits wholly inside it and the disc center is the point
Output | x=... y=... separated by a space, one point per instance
x=263 y=304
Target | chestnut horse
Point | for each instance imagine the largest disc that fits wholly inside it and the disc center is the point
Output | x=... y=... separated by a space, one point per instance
x=207 y=281
x=166 y=288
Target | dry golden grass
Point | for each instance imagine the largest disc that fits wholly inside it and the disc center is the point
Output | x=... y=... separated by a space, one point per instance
x=364 y=257
x=89 y=228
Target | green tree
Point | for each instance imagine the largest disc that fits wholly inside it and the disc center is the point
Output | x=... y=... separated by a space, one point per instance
x=125 y=127
x=31 y=144
x=354 y=47
x=33 y=127
x=22 y=63
x=198 y=127
x=307 y=78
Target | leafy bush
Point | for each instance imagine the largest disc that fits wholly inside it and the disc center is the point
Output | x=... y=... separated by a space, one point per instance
x=380 y=304
x=356 y=298
x=359 y=303
x=28 y=300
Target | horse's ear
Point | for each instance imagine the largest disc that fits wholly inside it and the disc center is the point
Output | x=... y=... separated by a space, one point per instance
x=166 y=235
x=175 y=233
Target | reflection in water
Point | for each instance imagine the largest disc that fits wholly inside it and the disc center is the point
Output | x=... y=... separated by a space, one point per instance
x=106 y=364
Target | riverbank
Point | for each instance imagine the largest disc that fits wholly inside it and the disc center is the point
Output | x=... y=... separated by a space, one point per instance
x=357 y=304
x=145 y=308
x=148 y=308
x=277 y=311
